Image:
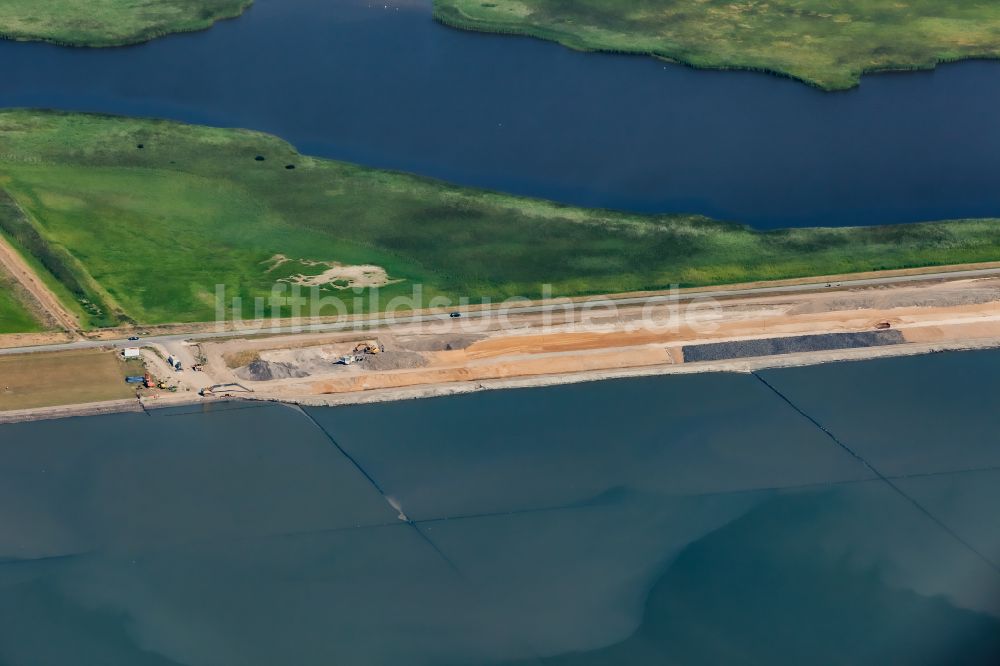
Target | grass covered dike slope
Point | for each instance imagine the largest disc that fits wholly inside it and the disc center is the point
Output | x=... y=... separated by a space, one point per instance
x=143 y=234
x=15 y=316
x=827 y=43
x=109 y=22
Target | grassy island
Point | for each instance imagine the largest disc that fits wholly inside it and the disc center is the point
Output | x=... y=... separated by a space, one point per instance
x=138 y=220
x=827 y=43
x=109 y=22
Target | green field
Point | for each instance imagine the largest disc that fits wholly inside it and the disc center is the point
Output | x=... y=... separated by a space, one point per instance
x=828 y=43
x=15 y=317
x=109 y=22
x=144 y=234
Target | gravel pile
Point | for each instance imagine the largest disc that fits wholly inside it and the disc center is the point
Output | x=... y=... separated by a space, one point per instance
x=722 y=351
x=439 y=343
x=393 y=360
x=263 y=371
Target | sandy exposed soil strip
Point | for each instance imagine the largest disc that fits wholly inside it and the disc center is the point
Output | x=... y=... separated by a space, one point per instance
x=420 y=358
x=459 y=387
x=28 y=340
x=774 y=329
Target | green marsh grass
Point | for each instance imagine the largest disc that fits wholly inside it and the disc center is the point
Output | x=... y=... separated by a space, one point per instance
x=827 y=43
x=146 y=234
x=15 y=316
x=109 y=22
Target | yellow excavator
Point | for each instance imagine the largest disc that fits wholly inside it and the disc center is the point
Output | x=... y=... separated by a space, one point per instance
x=369 y=347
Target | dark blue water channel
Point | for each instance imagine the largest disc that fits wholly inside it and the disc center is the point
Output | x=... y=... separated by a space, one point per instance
x=675 y=520
x=384 y=85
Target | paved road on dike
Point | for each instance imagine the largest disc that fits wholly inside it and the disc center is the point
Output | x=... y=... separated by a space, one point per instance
x=375 y=322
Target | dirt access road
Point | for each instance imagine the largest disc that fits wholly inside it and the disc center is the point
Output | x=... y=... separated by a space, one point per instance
x=533 y=348
x=46 y=300
x=433 y=353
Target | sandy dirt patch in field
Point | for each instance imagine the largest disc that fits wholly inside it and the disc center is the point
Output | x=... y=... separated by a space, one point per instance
x=62 y=378
x=336 y=275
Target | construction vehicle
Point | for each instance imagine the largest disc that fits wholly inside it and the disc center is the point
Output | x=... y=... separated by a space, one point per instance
x=882 y=325
x=369 y=347
x=147 y=381
x=213 y=391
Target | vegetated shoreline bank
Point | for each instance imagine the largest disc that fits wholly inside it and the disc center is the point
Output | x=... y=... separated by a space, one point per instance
x=929 y=66
x=192 y=16
x=576 y=34
x=135 y=221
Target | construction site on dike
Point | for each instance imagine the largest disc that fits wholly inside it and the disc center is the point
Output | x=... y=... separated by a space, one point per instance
x=737 y=328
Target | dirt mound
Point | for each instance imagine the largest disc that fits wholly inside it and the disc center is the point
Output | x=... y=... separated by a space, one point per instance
x=264 y=371
x=393 y=360
x=438 y=343
x=336 y=275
